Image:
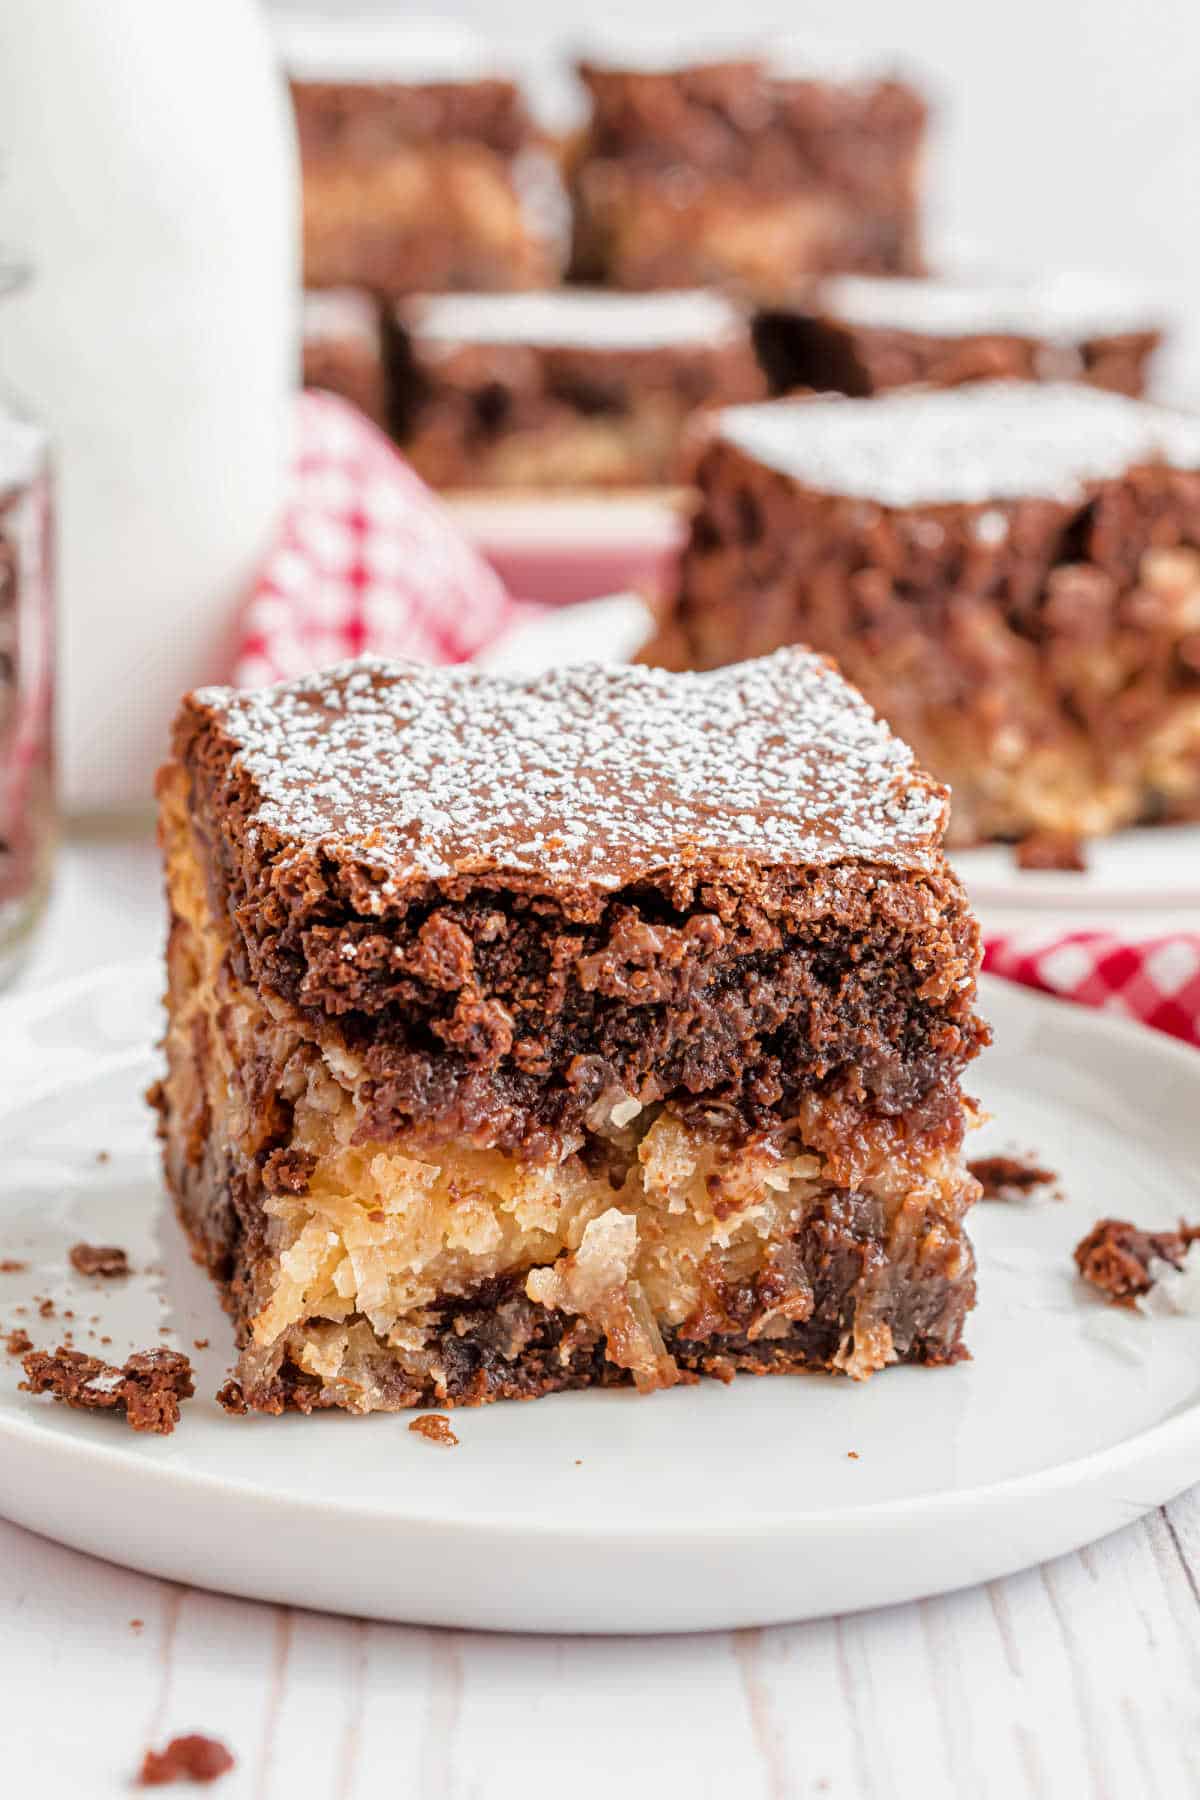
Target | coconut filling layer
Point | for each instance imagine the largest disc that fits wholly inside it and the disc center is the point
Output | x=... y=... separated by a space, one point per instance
x=366 y=1246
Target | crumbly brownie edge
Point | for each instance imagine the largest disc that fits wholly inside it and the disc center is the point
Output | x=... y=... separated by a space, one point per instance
x=868 y=990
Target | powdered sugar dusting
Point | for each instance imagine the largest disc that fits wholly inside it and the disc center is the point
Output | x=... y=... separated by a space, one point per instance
x=1068 y=307
x=965 y=446
x=576 y=318
x=590 y=775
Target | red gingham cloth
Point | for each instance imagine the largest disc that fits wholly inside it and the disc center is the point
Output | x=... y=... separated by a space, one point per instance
x=369 y=559
x=1146 y=975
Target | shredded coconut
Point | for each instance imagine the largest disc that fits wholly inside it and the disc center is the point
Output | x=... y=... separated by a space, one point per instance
x=595 y=774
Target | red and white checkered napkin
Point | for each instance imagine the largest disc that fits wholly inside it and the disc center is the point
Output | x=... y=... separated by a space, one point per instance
x=1146 y=974
x=369 y=559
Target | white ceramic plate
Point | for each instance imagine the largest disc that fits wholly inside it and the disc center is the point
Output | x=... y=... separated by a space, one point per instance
x=1156 y=866
x=702 y=1507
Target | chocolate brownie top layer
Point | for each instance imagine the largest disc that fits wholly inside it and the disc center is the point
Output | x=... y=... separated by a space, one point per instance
x=962 y=446
x=576 y=318
x=1064 y=308
x=594 y=776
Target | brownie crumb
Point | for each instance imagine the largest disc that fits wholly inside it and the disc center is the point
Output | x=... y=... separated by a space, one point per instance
x=1056 y=850
x=98 y=1259
x=46 y=1308
x=231 y=1397
x=435 y=1427
x=10 y=1265
x=852 y=1455
x=1001 y=1177
x=1115 y=1256
x=147 y=1389
x=199 y=1343
x=191 y=1758
x=136 y=1624
x=102 y=1156
x=288 y=1171
x=18 y=1342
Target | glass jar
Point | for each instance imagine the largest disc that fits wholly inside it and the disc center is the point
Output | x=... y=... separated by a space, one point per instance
x=27 y=808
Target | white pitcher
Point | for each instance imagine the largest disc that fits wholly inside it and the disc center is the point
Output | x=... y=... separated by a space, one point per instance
x=148 y=174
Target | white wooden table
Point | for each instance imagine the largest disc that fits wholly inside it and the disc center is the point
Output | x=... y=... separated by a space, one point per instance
x=1080 y=1678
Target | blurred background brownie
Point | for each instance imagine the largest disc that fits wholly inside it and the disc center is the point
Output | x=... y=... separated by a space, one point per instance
x=1010 y=572
x=422 y=169
x=744 y=168
x=859 y=334
x=343 y=349
x=567 y=388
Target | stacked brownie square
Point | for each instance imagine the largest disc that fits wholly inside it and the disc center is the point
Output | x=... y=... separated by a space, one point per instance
x=861 y=334
x=1010 y=572
x=343 y=349
x=606 y=1027
x=568 y=388
x=422 y=168
x=744 y=168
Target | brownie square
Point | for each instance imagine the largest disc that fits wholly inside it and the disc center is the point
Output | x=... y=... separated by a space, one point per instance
x=861 y=334
x=751 y=170
x=343 y=349
x=569 y=388
x=422 y=168
x=1010 y=572
x=601 y=1028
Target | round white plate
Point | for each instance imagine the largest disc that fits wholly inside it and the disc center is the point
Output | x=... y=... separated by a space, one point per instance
x=702 y=1507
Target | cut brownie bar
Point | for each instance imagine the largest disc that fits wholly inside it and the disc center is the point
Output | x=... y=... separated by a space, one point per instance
x=598 y=1028
x=860 y=334
x=747 y=169
x=569 y=388
x=422 y=169
x=343 y=349
x=1010 y=572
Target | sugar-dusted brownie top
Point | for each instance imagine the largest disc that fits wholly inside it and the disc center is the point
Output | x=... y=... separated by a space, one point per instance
x=339 y=316
x=962 y=446
x=1069 y=307
x=577 y=319
x=592 y=776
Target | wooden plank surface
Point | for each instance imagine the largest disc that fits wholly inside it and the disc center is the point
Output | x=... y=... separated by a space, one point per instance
x=1081 y=1678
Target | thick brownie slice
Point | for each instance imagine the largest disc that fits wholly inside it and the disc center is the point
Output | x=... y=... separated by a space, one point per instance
x=422 y=168
x=860 y=334
x=1010 y=572
x=603 y=1027
x=570 y=388
x=751 y=168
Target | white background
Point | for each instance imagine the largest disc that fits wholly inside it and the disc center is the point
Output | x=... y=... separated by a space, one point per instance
x=1068 y=132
